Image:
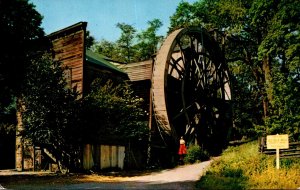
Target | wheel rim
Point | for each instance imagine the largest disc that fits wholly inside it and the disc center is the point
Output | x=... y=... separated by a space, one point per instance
x=191 y=87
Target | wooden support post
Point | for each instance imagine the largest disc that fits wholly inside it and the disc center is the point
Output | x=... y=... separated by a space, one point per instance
x=277 y=158
x=278 y=142
x=33 y=163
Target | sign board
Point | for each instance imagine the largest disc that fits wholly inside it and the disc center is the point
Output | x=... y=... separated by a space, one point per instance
x=277 y=142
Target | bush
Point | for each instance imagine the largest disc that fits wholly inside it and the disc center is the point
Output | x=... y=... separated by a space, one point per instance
x=195 y=153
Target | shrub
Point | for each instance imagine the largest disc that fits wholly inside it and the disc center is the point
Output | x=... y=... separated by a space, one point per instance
x=195 y=153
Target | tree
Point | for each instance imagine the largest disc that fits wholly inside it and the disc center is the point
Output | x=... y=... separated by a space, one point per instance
x=125 y=42
x=284 y=116
x=132 y=46
x=49 y=115
x=107 y=48
x=20 y=28
x=184 y=16
x=148 y=41
x=90 y=40
x=112 y=112
x=259 y=36
x=20 y=36
x=278 y=49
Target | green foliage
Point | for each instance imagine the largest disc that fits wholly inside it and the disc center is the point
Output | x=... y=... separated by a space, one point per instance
x=262 y=44
x=7 y=129
x=49 y=117
x=285 y=115
x=125 y=42
x=184 y=16
x=90 y=40
x=132 y=46
x=288 y=163
x=20 y=27
x=244 y=167
x=107 y=48
x=8 y=117
x=55 y=118
x=19 y=30
x=148 y=41
x=246 y=112
x=195 y=153
x=111 y=111
x=219 y=14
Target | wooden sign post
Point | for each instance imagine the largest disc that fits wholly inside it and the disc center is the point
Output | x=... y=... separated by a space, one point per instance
x=277 y=142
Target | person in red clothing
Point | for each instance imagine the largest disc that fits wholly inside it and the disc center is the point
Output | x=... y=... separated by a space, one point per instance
x=182 y=150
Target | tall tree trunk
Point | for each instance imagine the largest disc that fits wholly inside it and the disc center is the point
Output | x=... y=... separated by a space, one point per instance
x=268 y=86
x=19 y=138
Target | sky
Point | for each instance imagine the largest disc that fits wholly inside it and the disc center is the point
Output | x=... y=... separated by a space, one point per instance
x=103 y=15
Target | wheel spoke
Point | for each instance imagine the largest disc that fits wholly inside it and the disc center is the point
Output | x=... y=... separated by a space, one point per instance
x=195 y=86
x=175 y=65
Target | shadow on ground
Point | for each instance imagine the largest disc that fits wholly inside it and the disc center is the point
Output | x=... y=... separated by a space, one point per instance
x=110 y=185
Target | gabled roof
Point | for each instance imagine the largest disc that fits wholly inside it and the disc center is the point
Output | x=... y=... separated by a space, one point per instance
x=68 y=30
x=99 y=60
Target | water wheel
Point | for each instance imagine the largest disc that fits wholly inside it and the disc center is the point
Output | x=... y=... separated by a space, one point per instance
x=191 y=89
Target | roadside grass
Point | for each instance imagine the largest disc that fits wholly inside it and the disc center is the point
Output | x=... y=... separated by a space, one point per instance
x=243 y=167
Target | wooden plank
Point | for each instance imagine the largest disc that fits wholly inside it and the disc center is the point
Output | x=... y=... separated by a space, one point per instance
x=67 y=57
x=121 y=156
x=294 y=143
x=87 y=157
x=292 y=152
x=290 y=156
x=139 y=71
x=72 y=48
x=105 y=157
x=278 y=141
x=114 y=157
x=68 y=38
x=69 y=49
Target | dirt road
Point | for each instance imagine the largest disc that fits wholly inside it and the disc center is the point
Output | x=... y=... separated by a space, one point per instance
x=182 y=177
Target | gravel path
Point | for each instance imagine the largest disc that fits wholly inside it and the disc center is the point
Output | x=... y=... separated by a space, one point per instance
x=179 y=174
x=182 y=177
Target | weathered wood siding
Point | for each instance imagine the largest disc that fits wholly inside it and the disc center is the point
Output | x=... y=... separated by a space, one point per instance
x=105 y=156
x=140 y=74
x=138 y=71
x=88 y=161
x=69 y=48
x=111 y=156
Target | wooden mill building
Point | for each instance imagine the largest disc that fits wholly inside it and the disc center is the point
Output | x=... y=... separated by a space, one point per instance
x=83 y=66
x=68 y=46
x=186 y=87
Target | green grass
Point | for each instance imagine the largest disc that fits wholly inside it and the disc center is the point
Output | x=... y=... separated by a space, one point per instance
x=243 y=167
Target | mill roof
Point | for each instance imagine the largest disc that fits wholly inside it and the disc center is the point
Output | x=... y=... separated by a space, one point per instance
x=138 y=71
x=99 y=60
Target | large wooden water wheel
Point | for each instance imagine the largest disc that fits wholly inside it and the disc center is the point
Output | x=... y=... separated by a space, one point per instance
x=191 y=89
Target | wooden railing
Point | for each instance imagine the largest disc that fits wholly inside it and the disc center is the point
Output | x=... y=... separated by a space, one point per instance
x=292 y=152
